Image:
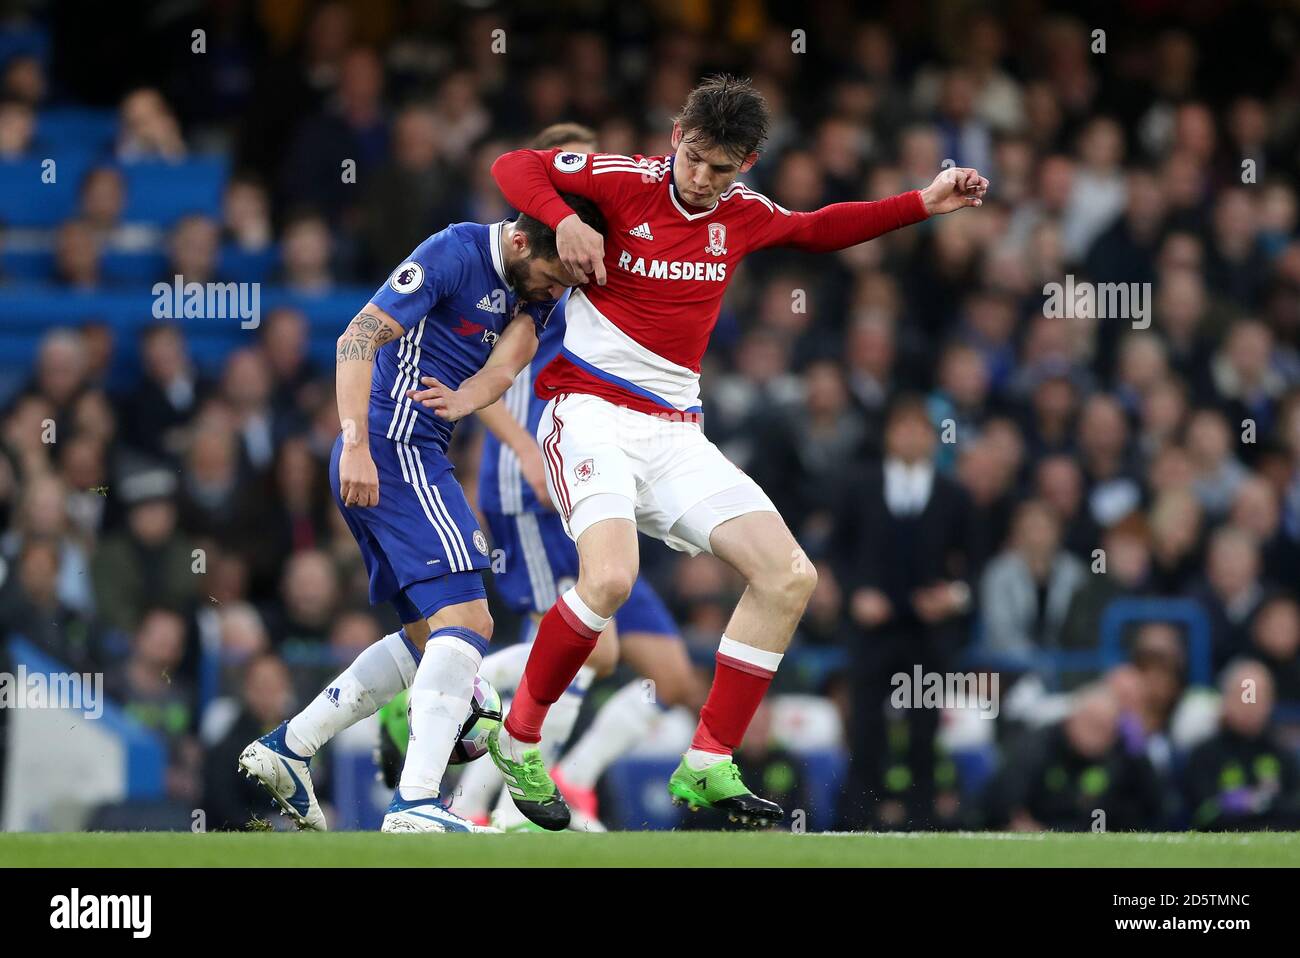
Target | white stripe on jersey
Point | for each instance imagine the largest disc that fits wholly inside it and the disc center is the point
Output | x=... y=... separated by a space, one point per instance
x=409 y=457
x=446 y=514
x=509 y=472
x=744 y=192
x=408 y=367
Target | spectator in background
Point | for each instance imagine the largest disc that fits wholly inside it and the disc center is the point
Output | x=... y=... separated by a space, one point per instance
x=1218 y=474
x=246 y=215
x=353 y=126
x=1124 y=570
x=1232 y=591
x=30 y=607
x=17 y=126
x=152 y=692
x=193 y=250
x=309 y=598
x=306 y=254
x=77 y=256
x=1243 y=778
x=43 y=516
x=800 y=450
x=267 y=699
x=149 y=562
x=1064 y=775
x=1026 y=592
x=1176 y=527
x=1275 y=641
x=148 y=130
x=246 y=391
x=1059 y=483
x=900 y=548
x=103 y=200
x=285 y=342
x=165 y=399
x=415 y=194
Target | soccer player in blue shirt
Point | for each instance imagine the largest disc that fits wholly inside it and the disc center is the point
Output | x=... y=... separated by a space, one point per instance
x=462 y=314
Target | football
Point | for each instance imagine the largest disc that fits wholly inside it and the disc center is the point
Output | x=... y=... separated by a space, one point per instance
x=484 y=715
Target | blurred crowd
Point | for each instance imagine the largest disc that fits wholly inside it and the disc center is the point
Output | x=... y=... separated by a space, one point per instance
x=978 y=481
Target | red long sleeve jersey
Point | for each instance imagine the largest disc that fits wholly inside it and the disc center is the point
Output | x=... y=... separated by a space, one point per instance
x=638 y=340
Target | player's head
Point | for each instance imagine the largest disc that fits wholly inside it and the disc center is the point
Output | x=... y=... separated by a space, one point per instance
x=570 y=137
x=532 y=263
x=717 y=136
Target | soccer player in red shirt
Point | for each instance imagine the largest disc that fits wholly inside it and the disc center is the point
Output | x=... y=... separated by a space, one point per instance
x=621 y=434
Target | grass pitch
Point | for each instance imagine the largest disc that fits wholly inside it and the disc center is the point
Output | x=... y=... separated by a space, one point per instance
x=648 y=849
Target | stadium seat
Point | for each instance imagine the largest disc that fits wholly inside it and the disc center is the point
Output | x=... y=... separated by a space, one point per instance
x=84 y=130
x=158 y=192
x=120 y=268
x=27 y=266
x=245 y=267
x=26 y=199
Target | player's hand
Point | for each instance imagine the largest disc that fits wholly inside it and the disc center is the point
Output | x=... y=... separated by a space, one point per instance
x=581 y=248
x=446 y=403
x=358 y=477
x=954 y=189
x=533 y=468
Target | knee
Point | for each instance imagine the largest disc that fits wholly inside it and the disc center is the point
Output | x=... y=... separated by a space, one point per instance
x=789 y=587
x=477 y=618
x=605 y=587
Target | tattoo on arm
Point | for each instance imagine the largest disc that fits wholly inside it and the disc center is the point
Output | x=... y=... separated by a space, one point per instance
x=363 y=337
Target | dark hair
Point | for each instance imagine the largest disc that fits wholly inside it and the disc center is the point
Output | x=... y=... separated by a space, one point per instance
x=541 y=238
x=727 y=112
x=557 y=134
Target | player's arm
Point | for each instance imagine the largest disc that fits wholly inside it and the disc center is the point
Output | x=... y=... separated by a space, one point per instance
x=842 y=225
x=369 y=330
x=498 y=421
x=532 y=180
x=513 y=351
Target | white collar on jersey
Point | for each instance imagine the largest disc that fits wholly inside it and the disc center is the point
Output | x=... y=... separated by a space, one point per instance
x=672 y=194
x=494 y=241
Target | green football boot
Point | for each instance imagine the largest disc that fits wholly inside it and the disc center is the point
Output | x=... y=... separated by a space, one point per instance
x=529 y=784
x=719 y=786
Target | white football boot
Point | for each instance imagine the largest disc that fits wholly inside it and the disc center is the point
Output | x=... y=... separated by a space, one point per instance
x=286 y=776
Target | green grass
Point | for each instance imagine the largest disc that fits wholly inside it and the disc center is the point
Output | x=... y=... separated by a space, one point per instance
x=676 y=849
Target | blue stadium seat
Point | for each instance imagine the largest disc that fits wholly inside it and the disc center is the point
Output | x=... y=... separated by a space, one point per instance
x=72 y=128
x=27 y=265
x=158 y=192
x=27 y=200
x=244 y=267
x=120 y=268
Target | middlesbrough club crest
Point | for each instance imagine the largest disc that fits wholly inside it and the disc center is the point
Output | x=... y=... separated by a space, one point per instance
x=717 y=240
x=584 y=470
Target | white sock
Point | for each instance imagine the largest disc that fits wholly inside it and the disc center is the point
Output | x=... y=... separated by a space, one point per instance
x=505 y=667
x=478 y=784
x=563 y=715
x=440 y=697
x=698 y=761
x=620 y=723
x=370 y=682
x=511 y=746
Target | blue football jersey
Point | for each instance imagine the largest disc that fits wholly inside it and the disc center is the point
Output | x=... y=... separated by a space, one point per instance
x=501 y=486
x=452 y=298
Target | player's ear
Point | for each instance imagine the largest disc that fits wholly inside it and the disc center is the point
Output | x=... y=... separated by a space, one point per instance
x=677 y=135
x=750 y=160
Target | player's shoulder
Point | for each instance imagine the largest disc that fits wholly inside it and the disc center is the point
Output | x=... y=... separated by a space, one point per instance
x=742 y=200
x=445 y=256
x=620 y=166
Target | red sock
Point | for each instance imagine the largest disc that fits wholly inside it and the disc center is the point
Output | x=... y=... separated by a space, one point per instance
x=562 y=645
x=738 y=687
